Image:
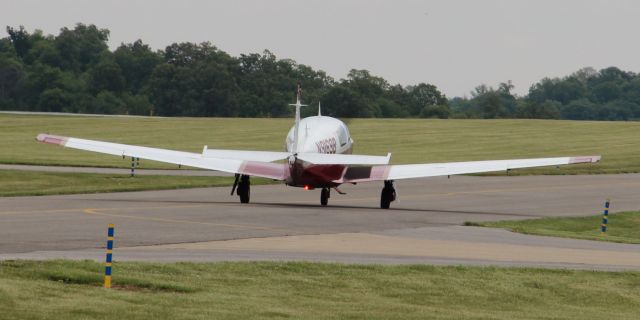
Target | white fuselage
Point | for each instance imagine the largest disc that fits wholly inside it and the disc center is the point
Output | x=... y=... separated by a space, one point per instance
x=320 y=134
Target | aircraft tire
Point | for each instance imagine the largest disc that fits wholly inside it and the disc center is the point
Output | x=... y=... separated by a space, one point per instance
x=245 y=195
x=244 y=189
x=387 y=195
x=324 y=196
x=385 y=200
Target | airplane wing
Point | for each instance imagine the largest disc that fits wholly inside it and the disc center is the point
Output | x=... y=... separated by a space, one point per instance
x=314 y=158
x=264 y=156
x=241 y=163
x=344 y=159
x=407 y=171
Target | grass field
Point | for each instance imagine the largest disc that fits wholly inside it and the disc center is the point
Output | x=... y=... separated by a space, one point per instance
x=264 y=290
x=25 y=183
x=71 y=289
x=410 y=140
x=622 y=227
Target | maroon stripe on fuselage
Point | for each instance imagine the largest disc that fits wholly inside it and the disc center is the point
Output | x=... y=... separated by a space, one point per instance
x=316 y=176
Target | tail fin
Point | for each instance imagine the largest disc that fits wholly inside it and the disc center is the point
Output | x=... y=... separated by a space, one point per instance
x=298 y=104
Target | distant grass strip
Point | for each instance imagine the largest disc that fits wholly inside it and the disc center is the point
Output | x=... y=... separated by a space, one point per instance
x=410 y=140
x=623 y=227
x=267 y=290
x=27 y=183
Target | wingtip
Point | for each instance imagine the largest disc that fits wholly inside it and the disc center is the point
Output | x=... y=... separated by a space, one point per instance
x=585 y=159
x=47 y=138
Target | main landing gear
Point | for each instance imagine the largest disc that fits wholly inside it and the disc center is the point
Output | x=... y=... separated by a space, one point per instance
x=325 y=194
x=243 y=186
x=388 y=194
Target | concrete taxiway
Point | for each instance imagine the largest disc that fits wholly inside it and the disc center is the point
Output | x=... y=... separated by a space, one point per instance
x=284 y=223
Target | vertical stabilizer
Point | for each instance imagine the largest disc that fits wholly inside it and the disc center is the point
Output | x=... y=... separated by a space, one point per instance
x=298 y=105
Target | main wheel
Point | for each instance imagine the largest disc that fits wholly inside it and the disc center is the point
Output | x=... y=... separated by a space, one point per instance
x=385 y=200
x=387 y=195
x=244 y=196
x=324 y=196
x=244 y=189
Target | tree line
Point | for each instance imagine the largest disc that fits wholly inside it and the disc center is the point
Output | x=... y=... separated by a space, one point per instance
x=587 y=94
x=75 y=71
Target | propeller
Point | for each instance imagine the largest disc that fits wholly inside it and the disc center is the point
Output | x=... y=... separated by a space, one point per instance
x=235 y=183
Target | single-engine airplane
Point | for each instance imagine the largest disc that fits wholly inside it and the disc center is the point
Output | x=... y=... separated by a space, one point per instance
x=318 y=155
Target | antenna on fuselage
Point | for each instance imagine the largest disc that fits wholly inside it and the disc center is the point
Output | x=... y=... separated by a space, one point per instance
x=319 y=110
x=298 y=105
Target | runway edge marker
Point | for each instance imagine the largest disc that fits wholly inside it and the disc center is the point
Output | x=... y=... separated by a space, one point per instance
x=605 y=219
x=109 y=259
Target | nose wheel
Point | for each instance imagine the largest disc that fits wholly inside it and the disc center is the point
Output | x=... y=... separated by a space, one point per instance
x=324 y=196
x=388 y=194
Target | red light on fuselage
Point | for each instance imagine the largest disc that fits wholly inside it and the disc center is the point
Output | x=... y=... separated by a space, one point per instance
x=306 y=187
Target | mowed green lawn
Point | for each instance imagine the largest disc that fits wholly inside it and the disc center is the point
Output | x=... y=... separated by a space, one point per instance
x=26 y=183
x=622 y=227
x=273 y=290
x=410 y=140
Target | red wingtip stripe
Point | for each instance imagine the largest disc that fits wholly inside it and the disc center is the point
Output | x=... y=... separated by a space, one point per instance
x=46 y=138
x=588 y=159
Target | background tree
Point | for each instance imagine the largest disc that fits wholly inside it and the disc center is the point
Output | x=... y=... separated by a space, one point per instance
x=11 y=74
x=136 y=61
x=74 y=71
x=106 y=75
x=549 y=109
x=342 y=101
x=20 y=39
x=427 y=102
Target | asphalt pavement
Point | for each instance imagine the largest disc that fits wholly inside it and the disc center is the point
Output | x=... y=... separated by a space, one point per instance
x=284 y=223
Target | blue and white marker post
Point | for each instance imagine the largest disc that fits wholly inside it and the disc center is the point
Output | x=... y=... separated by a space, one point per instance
x=605 y=219
x=109 y=261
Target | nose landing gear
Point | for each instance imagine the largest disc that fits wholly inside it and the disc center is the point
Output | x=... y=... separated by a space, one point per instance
x=388 y=194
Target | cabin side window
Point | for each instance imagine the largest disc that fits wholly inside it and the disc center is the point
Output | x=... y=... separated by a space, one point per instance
x=343 y=135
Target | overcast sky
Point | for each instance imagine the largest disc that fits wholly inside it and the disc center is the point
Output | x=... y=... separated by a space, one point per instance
x=455 y=45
